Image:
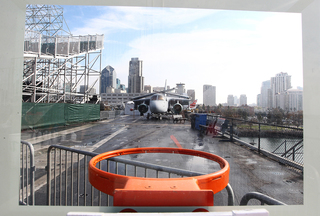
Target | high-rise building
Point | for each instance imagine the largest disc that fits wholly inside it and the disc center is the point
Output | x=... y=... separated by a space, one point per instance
x=230 y=100
x=209 y=95
x=236 y=100
x=295 y=99
x=192 y=94
x=117 y=83
x=279 y=84
x=108 y=79
x=122 y=87
x=243 y=99
x=259 y=100
x=291 y=100
x=135 y=78
x=264 y=100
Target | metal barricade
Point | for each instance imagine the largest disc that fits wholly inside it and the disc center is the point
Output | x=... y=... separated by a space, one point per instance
x=27 y=170
x=67 y=176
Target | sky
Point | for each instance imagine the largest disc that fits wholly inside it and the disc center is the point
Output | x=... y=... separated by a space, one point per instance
x=233 y=50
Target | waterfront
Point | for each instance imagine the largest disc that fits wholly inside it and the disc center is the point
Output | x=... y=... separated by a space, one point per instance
x=269 y=144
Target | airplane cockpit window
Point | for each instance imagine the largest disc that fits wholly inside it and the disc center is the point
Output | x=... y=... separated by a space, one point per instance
x=154 y=97
x=160 y=97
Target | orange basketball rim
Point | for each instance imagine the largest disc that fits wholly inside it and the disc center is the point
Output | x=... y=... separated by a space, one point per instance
x=136 y=191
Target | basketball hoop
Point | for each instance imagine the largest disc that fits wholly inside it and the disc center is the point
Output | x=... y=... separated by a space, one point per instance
x=136 y=191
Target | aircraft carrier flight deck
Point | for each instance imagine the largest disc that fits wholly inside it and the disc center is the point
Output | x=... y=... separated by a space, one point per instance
x=249 y=171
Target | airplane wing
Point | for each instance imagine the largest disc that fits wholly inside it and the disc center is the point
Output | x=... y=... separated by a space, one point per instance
x=178 y=96
x=141 y=101
x=148 y=95
x=182 y=101
x=142 y=96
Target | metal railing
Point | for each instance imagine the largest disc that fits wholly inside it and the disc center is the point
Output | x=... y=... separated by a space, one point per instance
x=282 y=143
x=35 y=43
x=27 y=171
x=291 y=150
x=67 y=176
x=264 y=199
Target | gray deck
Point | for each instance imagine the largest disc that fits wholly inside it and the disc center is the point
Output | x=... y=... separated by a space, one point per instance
x=249 y=171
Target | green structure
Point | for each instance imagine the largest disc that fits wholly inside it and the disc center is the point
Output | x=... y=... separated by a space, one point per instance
x=56 y=114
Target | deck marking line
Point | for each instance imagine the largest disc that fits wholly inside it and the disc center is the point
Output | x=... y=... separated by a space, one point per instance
x=94 y=147
x=175 y=141
x=42 y=180
x=46 y=137
x=101 y=142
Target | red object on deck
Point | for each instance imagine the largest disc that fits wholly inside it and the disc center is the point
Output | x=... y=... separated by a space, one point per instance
x=136 y=191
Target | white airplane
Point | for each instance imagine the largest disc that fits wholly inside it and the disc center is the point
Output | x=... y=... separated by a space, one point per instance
x=160 y=104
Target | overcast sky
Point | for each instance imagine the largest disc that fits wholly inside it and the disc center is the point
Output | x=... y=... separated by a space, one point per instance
x=233 y=50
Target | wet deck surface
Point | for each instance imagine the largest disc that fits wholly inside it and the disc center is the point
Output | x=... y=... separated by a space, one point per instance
x=249 y=171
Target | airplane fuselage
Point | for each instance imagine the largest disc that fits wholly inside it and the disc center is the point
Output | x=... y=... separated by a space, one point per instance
x=158 y=104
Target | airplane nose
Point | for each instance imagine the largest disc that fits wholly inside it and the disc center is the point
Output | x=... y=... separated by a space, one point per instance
x=157 y=107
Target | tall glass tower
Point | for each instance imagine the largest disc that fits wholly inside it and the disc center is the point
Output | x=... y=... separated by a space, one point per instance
x=135 y=78
x=108 y=79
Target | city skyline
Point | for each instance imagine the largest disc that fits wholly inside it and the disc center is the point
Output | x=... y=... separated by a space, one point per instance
x=242 y=100
x=232 y=50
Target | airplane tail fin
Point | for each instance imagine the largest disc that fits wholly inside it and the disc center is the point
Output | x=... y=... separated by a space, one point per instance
x=193 y=104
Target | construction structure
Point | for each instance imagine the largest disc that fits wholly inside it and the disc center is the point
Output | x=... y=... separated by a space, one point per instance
x=56 y=63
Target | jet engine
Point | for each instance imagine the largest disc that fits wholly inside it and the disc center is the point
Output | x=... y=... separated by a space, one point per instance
x=177 y=108
x=143 y=108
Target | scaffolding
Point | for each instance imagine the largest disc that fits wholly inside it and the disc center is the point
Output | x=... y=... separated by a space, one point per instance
x=56 y=65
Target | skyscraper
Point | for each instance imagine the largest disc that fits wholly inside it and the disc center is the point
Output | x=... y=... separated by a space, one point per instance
x=236 y=100
x=135 y=78
x=259 y=100
x=209 y=95
x=279 y=84
x=117 y=83
x=192 y=94
x=266 y=85
x=230 y=100
x=108 y=79
x=243 y=99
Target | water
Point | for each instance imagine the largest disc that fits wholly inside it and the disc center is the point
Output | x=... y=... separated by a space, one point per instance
x=270 y=144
